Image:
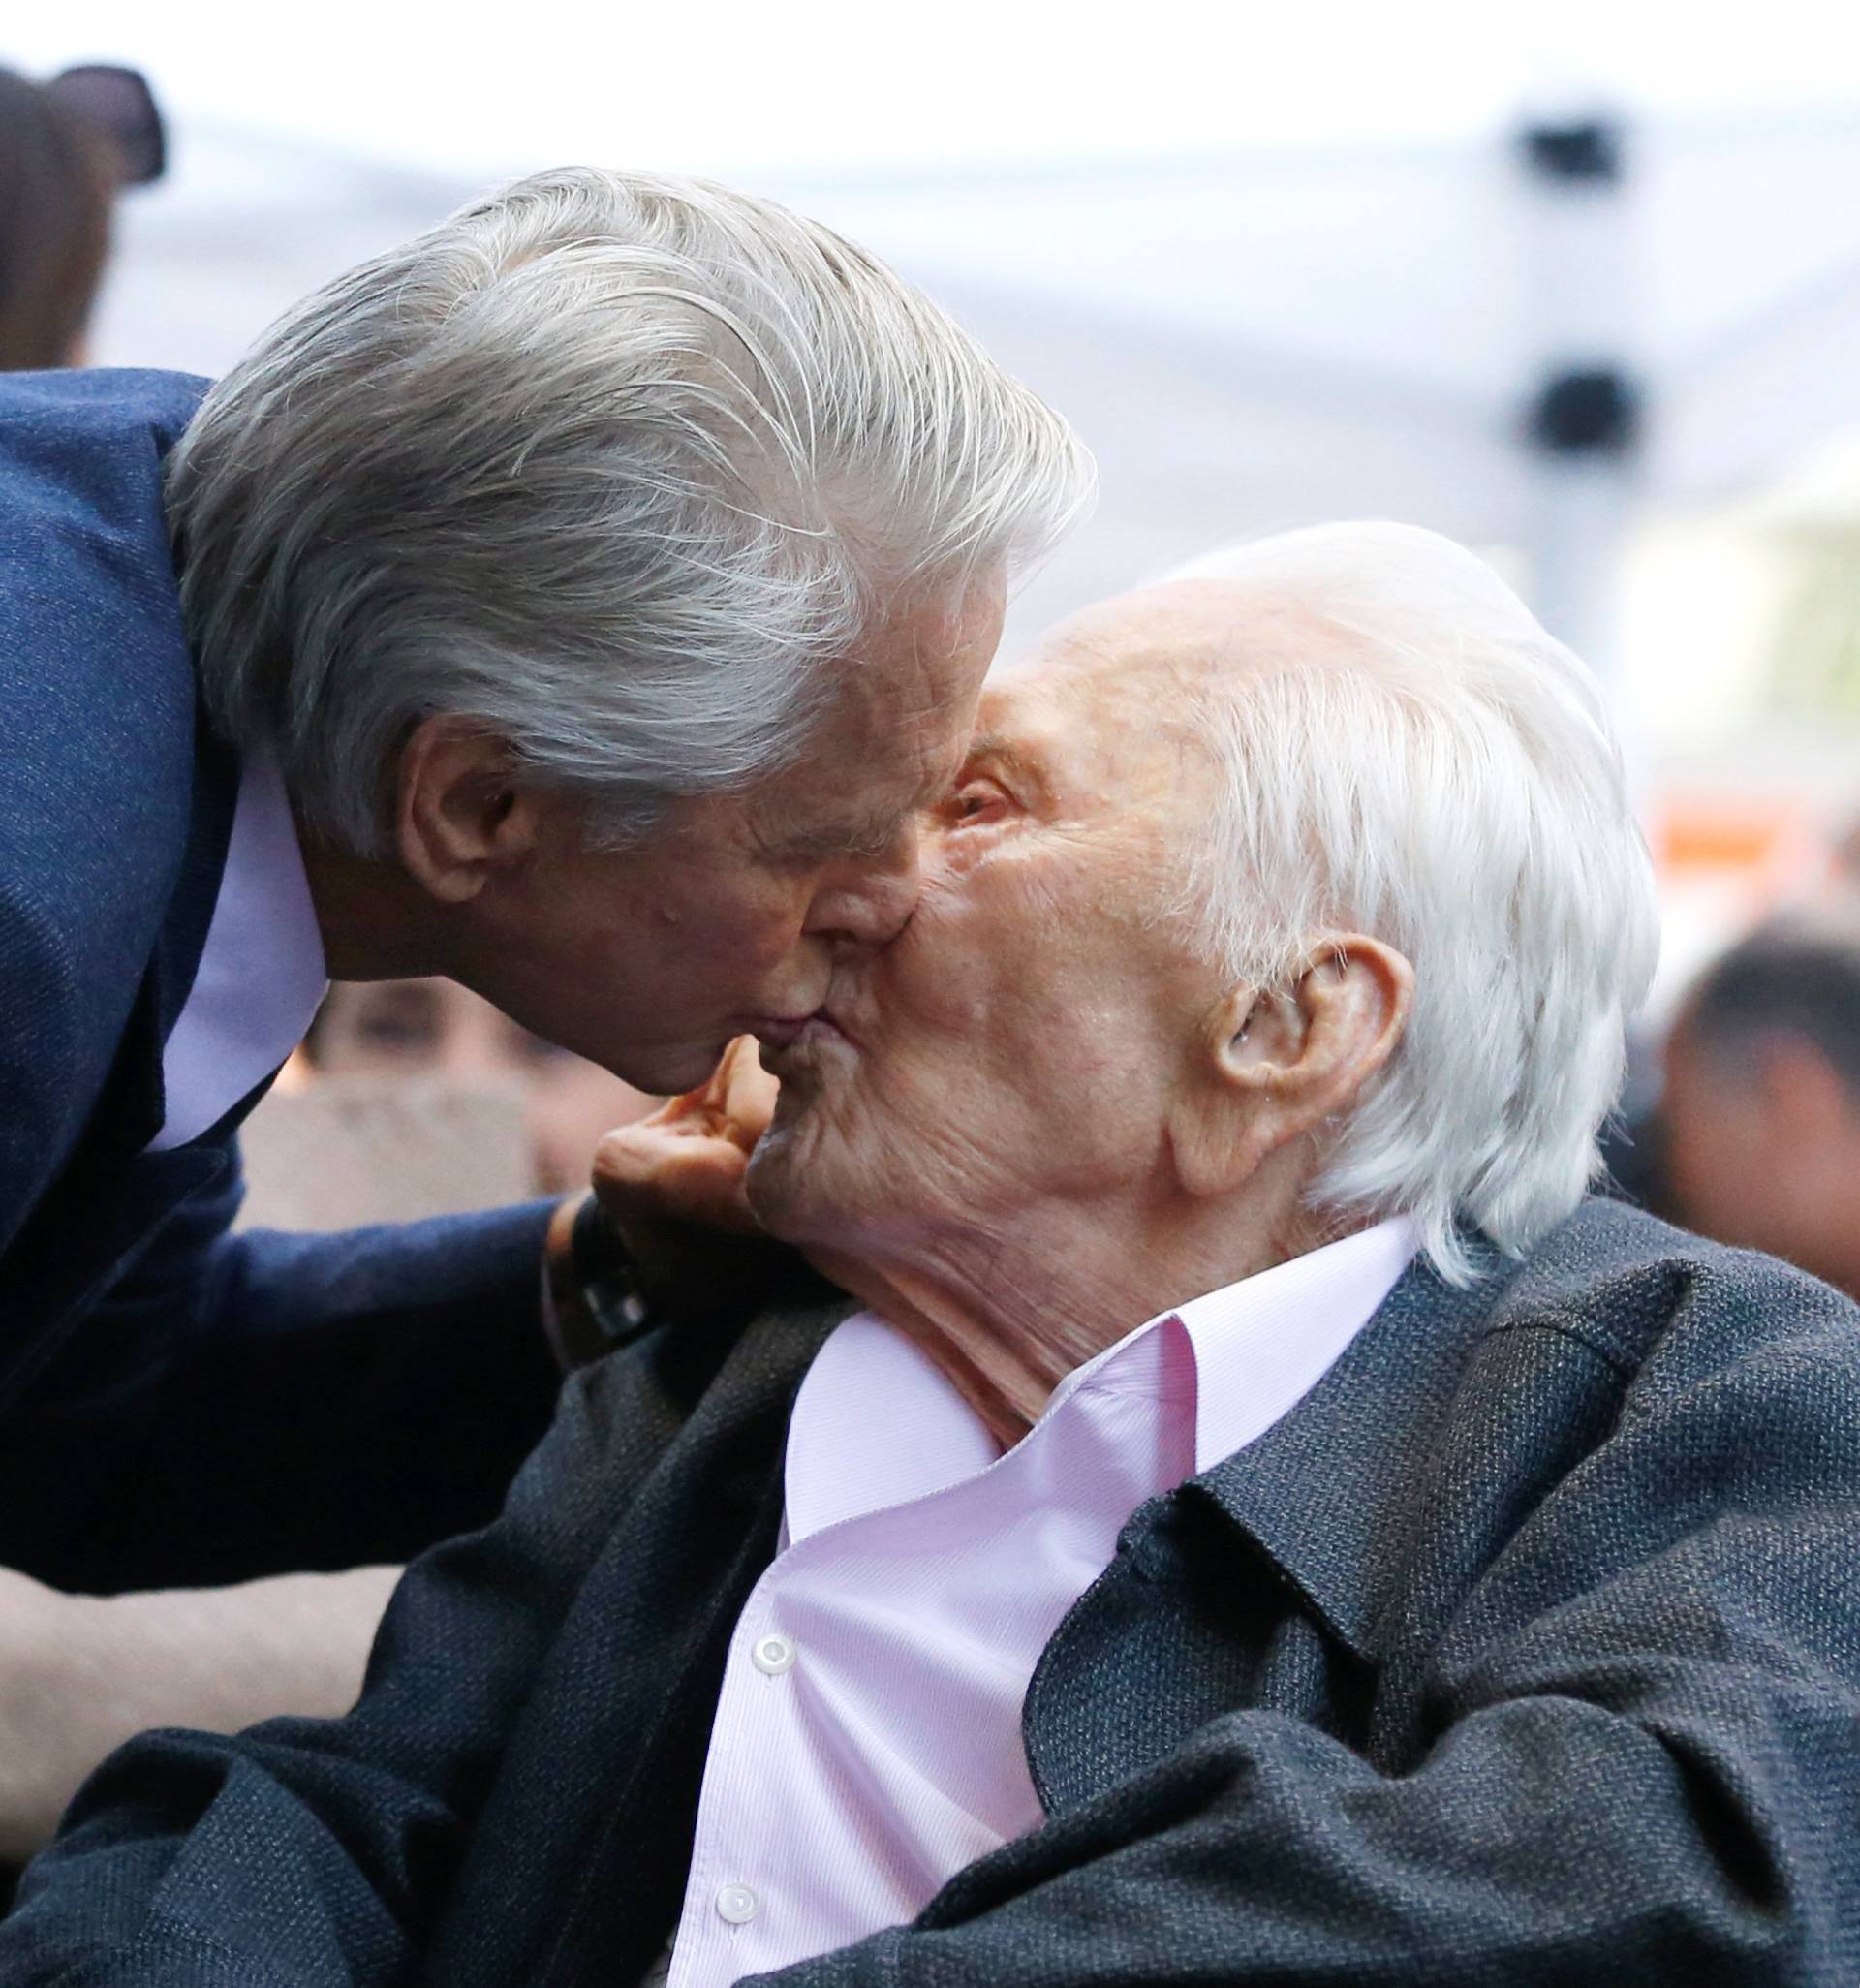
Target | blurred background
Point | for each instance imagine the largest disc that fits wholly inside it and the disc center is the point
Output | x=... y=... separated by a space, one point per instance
x=1579 y=285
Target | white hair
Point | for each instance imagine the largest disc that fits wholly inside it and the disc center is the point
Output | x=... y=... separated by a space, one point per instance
x=1421 y=762
x=623 y=466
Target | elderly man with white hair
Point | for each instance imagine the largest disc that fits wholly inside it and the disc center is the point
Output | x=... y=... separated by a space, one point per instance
x=1257 y=1522
x=579 y=601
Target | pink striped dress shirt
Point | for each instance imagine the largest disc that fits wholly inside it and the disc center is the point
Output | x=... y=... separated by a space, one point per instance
x=867 y=1737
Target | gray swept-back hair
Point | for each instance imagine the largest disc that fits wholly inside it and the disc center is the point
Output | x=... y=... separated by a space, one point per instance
x=1435 y=771
x=623 y=466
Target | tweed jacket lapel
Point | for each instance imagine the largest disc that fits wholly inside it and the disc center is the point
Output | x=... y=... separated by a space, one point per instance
x=605 y=1769
x=1334 y=1492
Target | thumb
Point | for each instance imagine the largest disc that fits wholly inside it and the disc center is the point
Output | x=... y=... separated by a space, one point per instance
x=697 y=1180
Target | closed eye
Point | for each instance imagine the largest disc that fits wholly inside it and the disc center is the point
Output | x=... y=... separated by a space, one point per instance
x=855 y=841
x=978 y=800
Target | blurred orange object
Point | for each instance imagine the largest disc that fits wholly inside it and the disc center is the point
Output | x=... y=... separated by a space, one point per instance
x=1709 y=832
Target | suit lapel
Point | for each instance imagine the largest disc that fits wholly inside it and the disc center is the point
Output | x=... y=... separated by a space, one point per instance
x=1267 y=1581
x=113 y=1194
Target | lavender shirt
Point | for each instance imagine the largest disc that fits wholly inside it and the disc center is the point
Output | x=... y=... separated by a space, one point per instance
x=867 y=1740
x=260 y=976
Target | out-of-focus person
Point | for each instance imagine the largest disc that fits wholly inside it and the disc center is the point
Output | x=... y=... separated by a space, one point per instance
x=1760 y=1114
x=67 y=147
x=390 y=1031
x=1844 y=863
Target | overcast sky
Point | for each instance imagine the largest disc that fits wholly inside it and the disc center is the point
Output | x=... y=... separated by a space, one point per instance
x=826 y=84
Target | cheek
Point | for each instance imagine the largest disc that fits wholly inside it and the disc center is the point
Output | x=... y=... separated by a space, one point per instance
x=975 y=951
x=1033 y=1026
x=1012 y=960
x=743 y=926
x=944 y=998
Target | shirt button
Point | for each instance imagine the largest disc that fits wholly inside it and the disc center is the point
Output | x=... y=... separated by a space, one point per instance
x=737 y=1904
x=773 y=1655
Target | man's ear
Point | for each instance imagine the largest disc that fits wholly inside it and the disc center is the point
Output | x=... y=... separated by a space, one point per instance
x=1271 y=1066
x=460 y=813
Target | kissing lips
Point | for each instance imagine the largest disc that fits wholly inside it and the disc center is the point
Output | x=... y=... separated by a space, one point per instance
x=778 y=1032
x=780 y=1037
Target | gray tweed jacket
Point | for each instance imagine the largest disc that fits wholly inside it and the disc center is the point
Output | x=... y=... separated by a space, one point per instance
x=1526 y=1650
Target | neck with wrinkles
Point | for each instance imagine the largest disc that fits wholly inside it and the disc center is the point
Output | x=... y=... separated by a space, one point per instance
x=1010 y=1308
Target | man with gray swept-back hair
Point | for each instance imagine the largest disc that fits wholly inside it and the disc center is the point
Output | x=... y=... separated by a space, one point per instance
x=662 y=514
x=1266 y=1525
x=581 y=601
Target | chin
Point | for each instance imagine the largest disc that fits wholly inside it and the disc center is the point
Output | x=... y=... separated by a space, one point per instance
x=797 y=1176
x=673 y=1073
x=777 y=1180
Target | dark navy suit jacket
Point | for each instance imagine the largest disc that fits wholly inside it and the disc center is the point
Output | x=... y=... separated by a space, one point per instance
x=178 y=1403
x=1523 y=1653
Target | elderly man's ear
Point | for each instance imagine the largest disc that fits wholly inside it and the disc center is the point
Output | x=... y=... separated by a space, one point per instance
x=462 y=813
x=1271 y=1066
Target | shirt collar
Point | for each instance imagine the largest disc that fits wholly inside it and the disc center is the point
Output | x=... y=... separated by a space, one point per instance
x=1258 y=1347
x=261 y=973
x=877 y=1423
x=1261 y=1345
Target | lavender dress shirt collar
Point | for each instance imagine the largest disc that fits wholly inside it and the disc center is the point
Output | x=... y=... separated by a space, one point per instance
x=260 y=976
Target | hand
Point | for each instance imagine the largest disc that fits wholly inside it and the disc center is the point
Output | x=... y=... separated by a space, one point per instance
x=672 y=1186
x=686 y=1164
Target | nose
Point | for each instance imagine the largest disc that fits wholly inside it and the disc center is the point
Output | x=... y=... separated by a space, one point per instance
x=867 y=902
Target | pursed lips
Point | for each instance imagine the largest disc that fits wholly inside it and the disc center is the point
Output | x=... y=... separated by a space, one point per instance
x=783 y=1032
x=781 y=1036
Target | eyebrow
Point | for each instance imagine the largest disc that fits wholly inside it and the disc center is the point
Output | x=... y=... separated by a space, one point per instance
x=1006 y=751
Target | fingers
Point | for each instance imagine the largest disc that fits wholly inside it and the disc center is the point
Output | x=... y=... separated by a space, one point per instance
x=749 y=1093
x=650 y=1173
x=687 y=1162
x=735 y=1101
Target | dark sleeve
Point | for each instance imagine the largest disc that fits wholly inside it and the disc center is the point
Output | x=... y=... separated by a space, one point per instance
x=258 y=1403
x=310 y=1851
x=1653 y=1779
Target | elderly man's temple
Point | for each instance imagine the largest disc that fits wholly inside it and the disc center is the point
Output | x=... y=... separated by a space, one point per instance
x=1223 y=1507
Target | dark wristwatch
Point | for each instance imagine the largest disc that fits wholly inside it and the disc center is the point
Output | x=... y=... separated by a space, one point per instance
x=593 y=1298
x=607 y=1276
